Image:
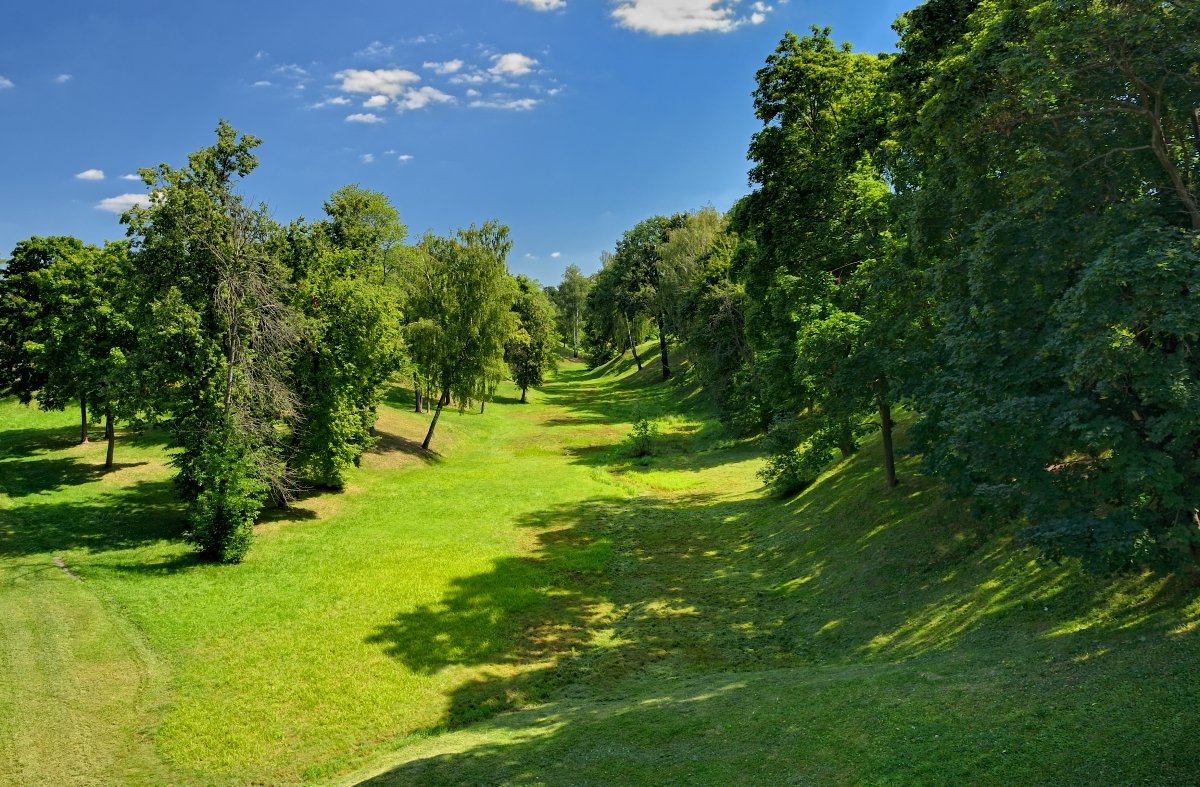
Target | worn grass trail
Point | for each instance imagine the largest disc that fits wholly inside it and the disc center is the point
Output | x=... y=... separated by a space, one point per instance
x=537 y=606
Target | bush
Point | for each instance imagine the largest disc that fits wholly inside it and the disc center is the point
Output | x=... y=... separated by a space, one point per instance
x=227 y=506
x=794 y=460
x=642 y=436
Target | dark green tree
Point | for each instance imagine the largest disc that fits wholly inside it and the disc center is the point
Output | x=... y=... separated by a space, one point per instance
x=532 y=348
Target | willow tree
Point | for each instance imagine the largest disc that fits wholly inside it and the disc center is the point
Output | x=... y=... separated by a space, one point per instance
x=460 y=312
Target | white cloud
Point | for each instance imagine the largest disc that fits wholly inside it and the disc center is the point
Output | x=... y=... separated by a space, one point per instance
x=262 y=83
x=473 y=78
x=444 y=67
x=512 y=64
x=556 y=254
x=515 y=104
x=90 y=174
x=418 y=98
x=389 y=82
x=364 y=117
x=368 y=158
x=376 y=101
x=375 y=50
x=472 y=93
x=5 y=82
x=122 y=202
x=543 y=5
x=336 y=101
x=404 y=158
x=291 y=70
x=681 y=17
x=63 y=79
x=389 y=152
x=131 y=177
x=260 y=54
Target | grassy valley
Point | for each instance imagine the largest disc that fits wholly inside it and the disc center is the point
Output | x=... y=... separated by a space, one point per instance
x=535 y=605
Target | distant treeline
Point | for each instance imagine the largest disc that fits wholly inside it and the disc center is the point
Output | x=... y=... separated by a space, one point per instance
x=997 y=227
x=264 y=350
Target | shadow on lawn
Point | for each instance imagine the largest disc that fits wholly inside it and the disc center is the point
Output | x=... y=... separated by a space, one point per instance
x=141 y=513
x=843 y=573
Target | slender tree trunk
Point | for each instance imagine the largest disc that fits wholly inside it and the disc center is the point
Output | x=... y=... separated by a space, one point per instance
x=416 y=395
x=83 y=424
x=632 y=344
x=885 y=428
x=436 y=414
x=482 y=404
x=522 y=395
x=662 y=346
x=846 y=444
x=427 y=400
x=575 y=338
x=111 y=434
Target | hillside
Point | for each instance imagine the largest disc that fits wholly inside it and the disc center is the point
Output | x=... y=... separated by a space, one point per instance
x=534 y=605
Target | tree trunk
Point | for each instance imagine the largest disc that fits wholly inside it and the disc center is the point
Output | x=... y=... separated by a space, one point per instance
x=522 y=395
x=416 y=395
x=632 y=344
x=575 y=338
x=111 y=434
x=885 y=428
x=436 y=414
x=83 y=424
x=846 y=445
x=662 y=346
x=426 y=400
x=482 y=404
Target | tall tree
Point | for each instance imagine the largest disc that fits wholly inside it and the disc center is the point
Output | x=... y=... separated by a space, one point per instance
x=217 y=335
x=821 y=225
x=570 y=298
x=461 y=315
x=351 y=340
x=532 y=348
x=1053 y=203
x=639 y=263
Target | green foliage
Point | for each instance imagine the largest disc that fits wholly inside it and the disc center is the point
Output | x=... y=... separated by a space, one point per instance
x=642 y=436
x=532 y=349
x=796 y=454
x=231 y=495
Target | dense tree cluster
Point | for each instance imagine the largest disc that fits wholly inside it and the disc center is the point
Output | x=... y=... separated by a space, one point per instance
x=999 y=227
x=263 y=350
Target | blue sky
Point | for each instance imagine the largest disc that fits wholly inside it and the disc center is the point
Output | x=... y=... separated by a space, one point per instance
x=568 y=120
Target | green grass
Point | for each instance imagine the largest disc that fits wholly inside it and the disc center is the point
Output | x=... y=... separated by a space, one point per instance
x=536 y=605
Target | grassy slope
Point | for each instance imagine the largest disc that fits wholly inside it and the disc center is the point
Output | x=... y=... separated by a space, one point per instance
x=651 y=621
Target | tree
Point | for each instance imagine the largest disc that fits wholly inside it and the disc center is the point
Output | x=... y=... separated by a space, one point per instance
x=820 y=221
x=460 y=315
x=351 y=339
x=1051 y=195
x=638 y=262
x=217 y=335
x=531 y=350
x=570 y=298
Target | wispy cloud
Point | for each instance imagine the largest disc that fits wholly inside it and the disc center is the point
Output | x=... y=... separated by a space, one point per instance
x=389 y=82
x=367 y=158
x=6 y=83
x=556 y=254
x=375 y=50
x=131 y=176
x=514 y=104
x=122 y=202
x=422 y=97
x=262 y=83
x=336 y=101
x=63 y=79
x=404 y=158
x=683 y=17
x=512 y=64
x=444 y=67
x=90 y=174
x=543 y=5
x=376 y=101
x=364 y=117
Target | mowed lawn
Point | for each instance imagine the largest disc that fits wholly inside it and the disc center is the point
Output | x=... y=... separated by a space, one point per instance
x=535 y=605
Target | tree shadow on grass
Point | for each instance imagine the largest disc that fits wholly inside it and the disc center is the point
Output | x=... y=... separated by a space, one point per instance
x=141 y=513
x=398 y=444
x=619 y=590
